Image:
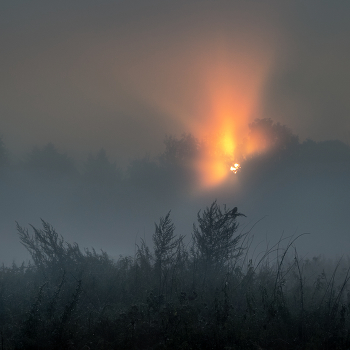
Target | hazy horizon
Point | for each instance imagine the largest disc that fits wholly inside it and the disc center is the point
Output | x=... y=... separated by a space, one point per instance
x=123 y=75
x=282 y=192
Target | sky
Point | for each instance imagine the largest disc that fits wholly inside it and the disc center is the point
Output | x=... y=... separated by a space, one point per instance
x=123 y=74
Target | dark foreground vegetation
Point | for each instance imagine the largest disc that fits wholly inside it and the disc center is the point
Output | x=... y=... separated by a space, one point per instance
x=205 y=295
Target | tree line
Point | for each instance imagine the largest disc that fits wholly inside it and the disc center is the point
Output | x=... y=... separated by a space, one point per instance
x=173 y=165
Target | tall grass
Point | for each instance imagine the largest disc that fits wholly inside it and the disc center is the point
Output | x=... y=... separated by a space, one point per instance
x=73 y=299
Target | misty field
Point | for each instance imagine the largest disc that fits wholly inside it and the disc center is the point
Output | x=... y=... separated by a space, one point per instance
x=204 y=295
x=206 y=286
x=198 y=152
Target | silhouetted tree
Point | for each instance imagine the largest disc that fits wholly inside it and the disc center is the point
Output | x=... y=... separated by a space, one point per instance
x=47 y=248
x=144 y=172
x=99 y=170
x=277 y=149
x=272 y=137
x=49 y=161
x=215 y=239
x=166 y=246
x=178 y=159
x=180 y=151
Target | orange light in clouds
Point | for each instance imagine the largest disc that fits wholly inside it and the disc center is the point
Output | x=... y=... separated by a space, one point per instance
x=211 y=89
x=233 y=90
x=211 y=172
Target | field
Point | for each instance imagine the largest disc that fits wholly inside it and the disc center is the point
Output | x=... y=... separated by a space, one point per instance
x=211 y=294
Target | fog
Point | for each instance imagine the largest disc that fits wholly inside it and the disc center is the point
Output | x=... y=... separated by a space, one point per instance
x=125 y=76
x=291 y=189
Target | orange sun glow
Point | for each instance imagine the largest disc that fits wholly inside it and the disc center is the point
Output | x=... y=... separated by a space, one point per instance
x=235 y=167
x=213 y=90
x=233 y=92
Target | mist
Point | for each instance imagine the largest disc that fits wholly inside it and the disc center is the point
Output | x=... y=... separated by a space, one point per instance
x=174 y=174
x=291 y=189
x=126 y=76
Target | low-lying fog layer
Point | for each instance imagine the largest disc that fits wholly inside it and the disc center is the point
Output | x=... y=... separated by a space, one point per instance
x=294 y=188
x=120 y=75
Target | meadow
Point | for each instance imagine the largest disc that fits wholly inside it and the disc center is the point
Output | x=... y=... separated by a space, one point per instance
x=206 y=287
x=209 y=294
